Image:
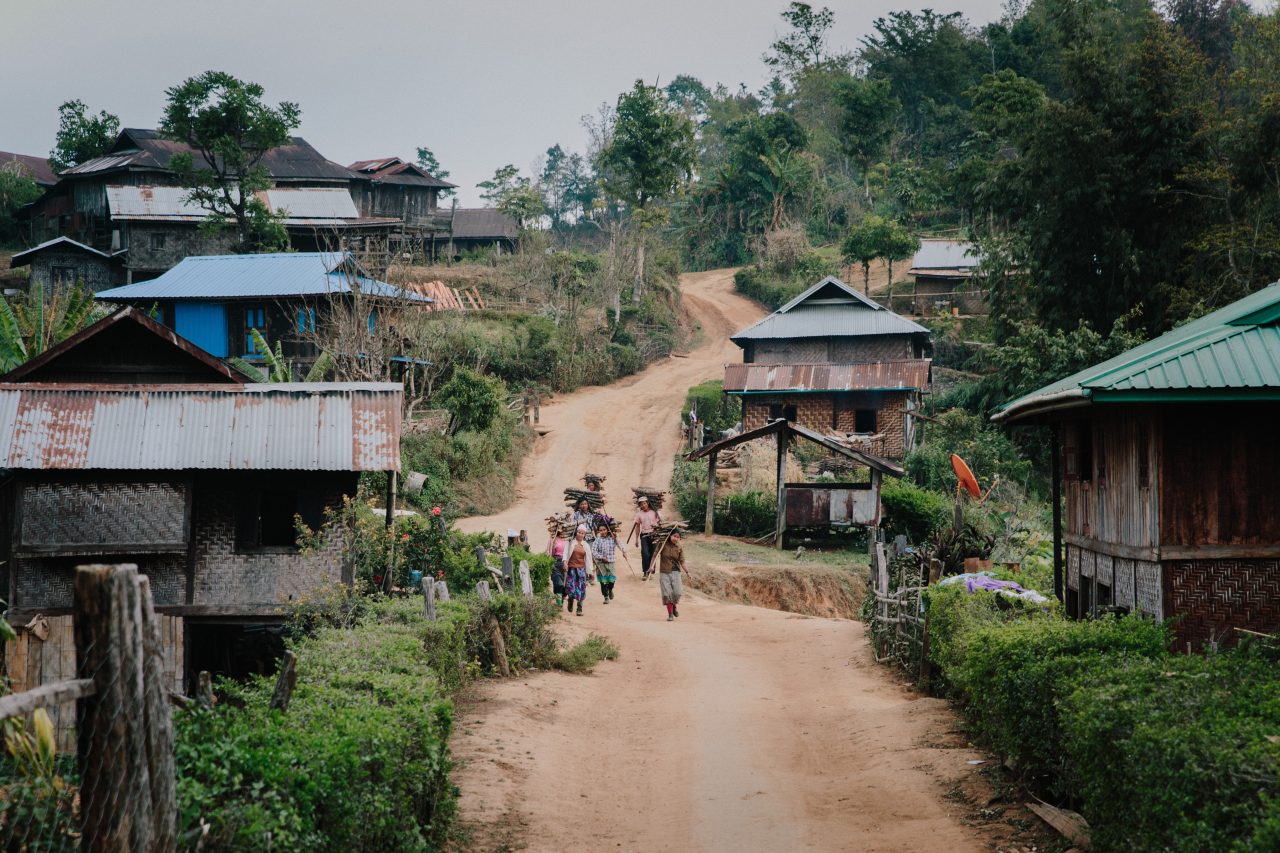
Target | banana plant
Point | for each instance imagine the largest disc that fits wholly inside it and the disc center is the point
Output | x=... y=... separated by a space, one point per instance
x=275 y=367
x=31 y=324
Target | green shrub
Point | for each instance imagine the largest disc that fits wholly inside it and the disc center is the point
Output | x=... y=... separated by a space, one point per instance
x=746 y=514
x=540 y=566
x=689 y=489
x=358 y=762
x=716 y=409
x=1178 y=753
x=912 y=511
x=459 y=646
x=583 y=657
x=986 y=449
x=1013 y=675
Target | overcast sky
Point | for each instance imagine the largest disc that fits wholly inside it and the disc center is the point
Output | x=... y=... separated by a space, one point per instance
x=482 y=83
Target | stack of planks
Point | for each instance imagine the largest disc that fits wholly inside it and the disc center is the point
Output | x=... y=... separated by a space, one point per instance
x=448 y=298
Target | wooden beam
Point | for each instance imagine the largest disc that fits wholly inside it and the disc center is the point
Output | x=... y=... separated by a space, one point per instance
x=709 y=525
x=46 y=695
x=1056 y=497
x=285 y=682
x=784 y=438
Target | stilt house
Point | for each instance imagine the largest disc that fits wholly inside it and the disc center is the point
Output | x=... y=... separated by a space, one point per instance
x=129 y=444
x=1166 y=461
x=834 y=361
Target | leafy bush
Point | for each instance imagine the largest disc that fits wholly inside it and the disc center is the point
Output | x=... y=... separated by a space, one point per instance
x=689 y=489
x=1013 y=675
x=746 y=514
x=715 y=408
x=912 y=511
x=359 y=760
x=1178 y=753
x=775 y=284
x=459 y=646
x=987 y=449
x=472 y=399
x=540 y=566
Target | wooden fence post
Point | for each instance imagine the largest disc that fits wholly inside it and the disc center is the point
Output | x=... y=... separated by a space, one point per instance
x=926 y=666
x=709 y=524
x=482 y=590
x=442 y=591
x=285 y=682
x=526 y=582
x=508 y=571
x=125 y=733
x=204 y=690
x=429 y=599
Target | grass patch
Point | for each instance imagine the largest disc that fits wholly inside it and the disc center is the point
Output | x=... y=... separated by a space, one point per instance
x=582 y=658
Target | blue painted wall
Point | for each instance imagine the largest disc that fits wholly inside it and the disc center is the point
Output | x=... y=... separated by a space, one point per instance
x=204 y=324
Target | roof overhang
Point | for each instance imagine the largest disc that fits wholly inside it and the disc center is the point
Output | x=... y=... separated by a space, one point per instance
x=875 y=463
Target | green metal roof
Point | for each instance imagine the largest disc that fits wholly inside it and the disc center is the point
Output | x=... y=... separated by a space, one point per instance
x=1232 y=354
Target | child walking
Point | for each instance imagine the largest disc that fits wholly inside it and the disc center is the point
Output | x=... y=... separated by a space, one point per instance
x=670 y=567
x=604 y=555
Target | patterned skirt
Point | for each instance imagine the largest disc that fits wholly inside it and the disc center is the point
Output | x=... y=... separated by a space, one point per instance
x=575 y=583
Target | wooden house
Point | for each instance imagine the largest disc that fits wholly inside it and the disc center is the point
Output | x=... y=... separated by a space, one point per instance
x=1167 y=466
x=128 y=444
x=834 y=361
x=215 y=301
x=941 y=271
x=62 y=262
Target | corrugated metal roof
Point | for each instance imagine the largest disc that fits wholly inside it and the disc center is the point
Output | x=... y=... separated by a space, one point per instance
x=63 y=244
x=863 y=376
x=829 y=309
x=302 y=205
x=482 y=223
x=28 y=165
x=393 y=170
x=945 y=254
x=1232 y=353
x=316 y=426
x=268 y=275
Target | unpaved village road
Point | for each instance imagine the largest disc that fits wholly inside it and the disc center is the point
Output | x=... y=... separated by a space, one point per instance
x=731 y=729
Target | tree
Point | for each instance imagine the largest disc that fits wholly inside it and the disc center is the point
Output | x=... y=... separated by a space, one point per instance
x=649 y=154
x=513 y=194
x=428 y=161
x=865 y=242
x=16 y=191
x=473 y=400
x=230 y=128
x=81 y=136
x=805 y=45
x=868 y=112
x=275 y=367
x=899 y=243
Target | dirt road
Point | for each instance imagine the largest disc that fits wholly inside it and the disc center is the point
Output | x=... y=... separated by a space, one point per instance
x=733 y=728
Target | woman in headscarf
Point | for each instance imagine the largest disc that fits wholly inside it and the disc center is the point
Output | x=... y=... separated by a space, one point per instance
x=578 y=564
x=583 y=514
x=556 y=548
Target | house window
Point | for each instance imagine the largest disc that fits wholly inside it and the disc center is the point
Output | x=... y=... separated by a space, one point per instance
x=778 y=411
x=63 y=276
x=373 y=321
x=267 y=518
x=305 y=320
x=864 y=421
x=254 y=318
x=157 y=240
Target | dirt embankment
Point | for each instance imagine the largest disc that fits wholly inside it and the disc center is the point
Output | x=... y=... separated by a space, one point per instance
x=811 y=590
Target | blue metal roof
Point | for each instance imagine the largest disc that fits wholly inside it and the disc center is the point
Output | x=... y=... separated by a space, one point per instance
x=208 y=277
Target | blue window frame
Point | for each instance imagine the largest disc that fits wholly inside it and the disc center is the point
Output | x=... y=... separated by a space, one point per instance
x=255 y=317
x=373 y=321
x=305 y=320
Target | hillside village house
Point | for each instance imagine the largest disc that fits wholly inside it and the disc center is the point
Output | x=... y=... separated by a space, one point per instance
x=127 y=443
x=62 y=262
x=940 y=272
x=1167 y=456
x=215 y=301
x=834 y=361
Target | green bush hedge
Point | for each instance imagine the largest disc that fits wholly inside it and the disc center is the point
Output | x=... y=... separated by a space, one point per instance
x=1159 y=751
x=912 y=511
x=716 y=409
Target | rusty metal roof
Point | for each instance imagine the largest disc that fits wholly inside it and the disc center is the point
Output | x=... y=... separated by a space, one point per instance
x=801 y=378
x=323 y=206
x=303 y=426
x=393 y=170
x=28 y=165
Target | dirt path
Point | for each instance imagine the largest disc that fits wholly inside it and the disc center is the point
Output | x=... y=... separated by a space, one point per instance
x=733 y=728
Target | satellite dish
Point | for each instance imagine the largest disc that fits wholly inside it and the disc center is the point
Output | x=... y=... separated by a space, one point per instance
x=968 y=482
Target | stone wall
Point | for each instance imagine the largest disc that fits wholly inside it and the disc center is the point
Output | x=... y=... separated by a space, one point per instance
x=93 y=270
x=180 y=241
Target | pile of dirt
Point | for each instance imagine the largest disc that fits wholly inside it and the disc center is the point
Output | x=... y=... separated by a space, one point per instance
x=810 y=590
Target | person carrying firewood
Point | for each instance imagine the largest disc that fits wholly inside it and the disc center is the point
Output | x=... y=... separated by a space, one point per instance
x=646 y=520
x=670 y=567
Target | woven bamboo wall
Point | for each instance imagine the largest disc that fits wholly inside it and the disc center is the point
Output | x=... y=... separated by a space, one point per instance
x=1215 y=596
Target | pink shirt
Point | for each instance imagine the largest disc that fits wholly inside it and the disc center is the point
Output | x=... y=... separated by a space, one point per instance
x=647 y=520
x=557 y=547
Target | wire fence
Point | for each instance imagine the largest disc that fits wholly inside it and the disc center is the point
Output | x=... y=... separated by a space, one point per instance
x=117 y=789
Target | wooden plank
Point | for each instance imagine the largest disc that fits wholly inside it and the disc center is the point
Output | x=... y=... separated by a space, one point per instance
x=708 y=526
x=526 y=580
x=20 y=704
x=1070 y=825
x=429 y=599
x=158 y=728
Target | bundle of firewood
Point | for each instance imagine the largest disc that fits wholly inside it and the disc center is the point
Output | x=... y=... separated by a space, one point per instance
x=655 y=496
x=662 y=532
x=562 y=524
x=595 y=500
x=593 y=479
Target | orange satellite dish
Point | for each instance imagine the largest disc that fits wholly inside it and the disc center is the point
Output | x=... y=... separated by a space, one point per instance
x=968 y=482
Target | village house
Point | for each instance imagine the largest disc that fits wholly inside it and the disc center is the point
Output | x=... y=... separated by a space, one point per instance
x=941 y=272
x=403 y=191
x=1167 y=459
x=834 y=361
x=29 y=166
x=62 y=262
x=128 y=444
x=216 y=301
x=475 y=229
x=128 y=203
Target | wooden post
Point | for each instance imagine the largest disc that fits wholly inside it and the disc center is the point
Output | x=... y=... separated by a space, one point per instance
x=481 y=562
x=526 y=581
x=508 y=571
x=442 y=591
x=158 y=728
x=708 y=526
x=784 y=435
x=926 y=666
x=499 y=648
x=285 y=682
x=116 y=799
x=389 y=521
x=204 y=689
x=1056 y=454
x=482 y=590
x=429 y=599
